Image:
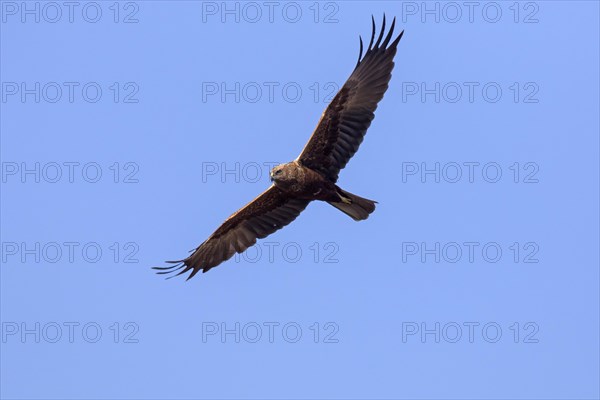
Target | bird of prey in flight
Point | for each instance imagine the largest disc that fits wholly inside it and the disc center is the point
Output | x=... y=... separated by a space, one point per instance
x=313 y=175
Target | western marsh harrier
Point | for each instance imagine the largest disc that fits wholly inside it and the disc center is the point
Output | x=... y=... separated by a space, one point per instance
x=313 y=175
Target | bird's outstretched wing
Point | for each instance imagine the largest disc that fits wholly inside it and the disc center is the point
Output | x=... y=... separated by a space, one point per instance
x=269 y=212
x=345 y=121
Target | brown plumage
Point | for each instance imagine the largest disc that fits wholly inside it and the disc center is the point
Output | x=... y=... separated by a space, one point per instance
x=313 y=175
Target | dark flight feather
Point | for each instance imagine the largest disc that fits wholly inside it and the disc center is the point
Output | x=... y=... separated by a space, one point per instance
x=269 y=212
x=344 y=123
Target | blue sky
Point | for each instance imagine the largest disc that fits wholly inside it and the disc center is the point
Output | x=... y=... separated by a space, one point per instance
x=131 y=130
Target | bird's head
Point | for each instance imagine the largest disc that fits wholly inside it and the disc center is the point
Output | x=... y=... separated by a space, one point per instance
x=277 y=172
x=282 y=172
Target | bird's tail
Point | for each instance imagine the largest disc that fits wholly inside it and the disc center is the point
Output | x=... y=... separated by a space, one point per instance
x=354 y=206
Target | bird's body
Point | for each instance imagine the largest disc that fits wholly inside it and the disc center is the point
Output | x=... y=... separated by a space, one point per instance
x=298 y=181
x=301 y=182
x=313 y=175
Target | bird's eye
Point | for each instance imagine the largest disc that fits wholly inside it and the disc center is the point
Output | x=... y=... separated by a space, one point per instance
x=277 y=172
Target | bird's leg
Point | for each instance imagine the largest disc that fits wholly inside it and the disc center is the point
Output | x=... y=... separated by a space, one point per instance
x=345 y=200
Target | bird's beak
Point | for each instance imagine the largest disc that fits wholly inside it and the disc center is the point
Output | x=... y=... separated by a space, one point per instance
x=271 y=176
